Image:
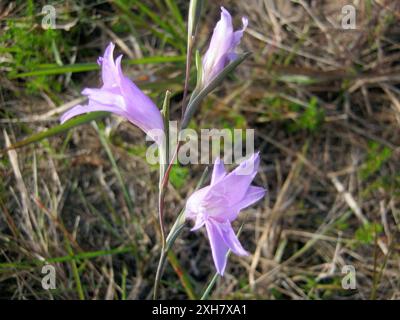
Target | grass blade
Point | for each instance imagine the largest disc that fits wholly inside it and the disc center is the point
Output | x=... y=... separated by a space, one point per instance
x=182 y=274
x=84 y=67
x=117 y=172
x=57 y=129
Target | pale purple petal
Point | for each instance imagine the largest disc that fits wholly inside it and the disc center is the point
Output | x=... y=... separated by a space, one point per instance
x=233 y=187
x=221 y=39
x=221 y=43
x=218 y=247
x=122 y=97
x=92 y=107
x=140 y=106
x=200 y=221
x=109 y=73
x=218 y=171
x=222 y=46
x=253 y=194
x=194 y=203
x=237 y=35
x=105 y=97
x=231 y=239
x=218 y=204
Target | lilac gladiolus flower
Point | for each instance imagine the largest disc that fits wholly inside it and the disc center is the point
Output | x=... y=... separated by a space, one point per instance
x=121 y=96
x=218 y=204
x=222 y=47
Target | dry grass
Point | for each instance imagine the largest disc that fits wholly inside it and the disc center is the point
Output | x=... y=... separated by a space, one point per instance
x=325 y=104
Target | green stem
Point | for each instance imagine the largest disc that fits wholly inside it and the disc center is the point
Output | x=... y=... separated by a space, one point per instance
x=160 y=269
x=164 y=154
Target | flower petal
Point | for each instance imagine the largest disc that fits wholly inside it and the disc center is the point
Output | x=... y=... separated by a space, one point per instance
x=200 y=221
x=233 y=187
x=253 y=194
x=194 y=203
x=122 y=97
x=231 y=239
x=109 y=73
x=215 y=58
x=105 y=97
x=141 y=109
x=219 y=248
x=218 y=171
x=91 y=107
x=237 y=35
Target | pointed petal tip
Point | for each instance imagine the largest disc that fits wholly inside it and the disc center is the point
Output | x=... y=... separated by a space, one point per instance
x=218 y=171
x=225 y=14
x=218 y=247
x=74 y=111
x=111 y=45
x=250 y=165
x=109 y=51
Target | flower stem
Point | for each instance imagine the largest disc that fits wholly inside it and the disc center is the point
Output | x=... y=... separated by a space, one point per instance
x=164 y=155
x=193 y=19
x=159 y=273
x=194 y=12
x=187 y=75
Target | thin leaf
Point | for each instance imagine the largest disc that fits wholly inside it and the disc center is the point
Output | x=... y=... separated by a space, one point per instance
x=84 y=67
x=77 y=256
x=176 y=13
x=193 y=18
x=75 y=272
x=183 y=275
x=77 y=121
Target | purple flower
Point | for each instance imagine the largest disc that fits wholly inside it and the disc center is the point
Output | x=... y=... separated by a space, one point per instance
x=218 y=204
x=121 y=96
x=222 y=47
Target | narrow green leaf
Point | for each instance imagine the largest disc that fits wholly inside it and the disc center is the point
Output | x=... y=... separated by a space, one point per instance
x=176 y=13
x=75 y=272
x=58 y=129
x=164 y=147
x=198 y=68
x=76 y=256
x=157 y=19
x=84 y=67
x=193 y=18
x=183 y=275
